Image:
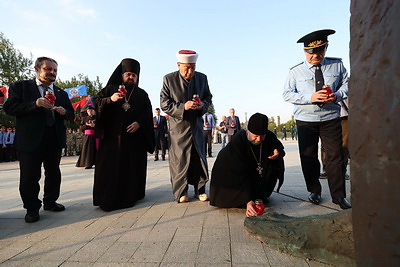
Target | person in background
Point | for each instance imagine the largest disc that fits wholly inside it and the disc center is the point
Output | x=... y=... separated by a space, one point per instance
x=14 y=155
x=284 y=132
x=8 y=145
x=160 y=133
x=344 y=119
x=232 y=124
x=185 y=97
x=87 y=157
x=79 y=141
x=293 y=132
x=208 y=127
x=317 y=114
x=70 y=148
x=223 y=130
x=2 y=147
x=40 y=136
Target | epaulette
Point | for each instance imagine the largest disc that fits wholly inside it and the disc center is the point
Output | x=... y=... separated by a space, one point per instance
x=334 y=58
x=297 y=65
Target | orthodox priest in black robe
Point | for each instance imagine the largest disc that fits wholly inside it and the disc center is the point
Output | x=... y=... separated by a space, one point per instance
x=125 y=127
x=248 y=168
x=185 y=97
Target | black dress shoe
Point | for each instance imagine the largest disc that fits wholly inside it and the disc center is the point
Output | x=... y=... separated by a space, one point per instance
x=32 y=216
x=342 y=202
x=315 y=198
x=54 y=207
x=155 y=159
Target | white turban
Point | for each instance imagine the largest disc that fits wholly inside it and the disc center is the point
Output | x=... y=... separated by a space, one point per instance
x=187 y=56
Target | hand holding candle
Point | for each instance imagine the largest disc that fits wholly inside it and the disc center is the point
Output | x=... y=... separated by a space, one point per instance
x=122 y=90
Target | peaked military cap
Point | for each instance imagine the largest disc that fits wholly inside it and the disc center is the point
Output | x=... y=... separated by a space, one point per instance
x=315 y=41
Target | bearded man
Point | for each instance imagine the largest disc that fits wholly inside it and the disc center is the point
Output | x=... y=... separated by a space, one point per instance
x=248 y=168
x=125 y=127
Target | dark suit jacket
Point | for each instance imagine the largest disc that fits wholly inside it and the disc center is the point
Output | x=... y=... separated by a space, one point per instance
x=161 y=129
x=31 y=120
x=229 y=121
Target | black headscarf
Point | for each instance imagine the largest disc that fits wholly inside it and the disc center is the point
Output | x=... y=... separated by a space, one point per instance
x=126 y=65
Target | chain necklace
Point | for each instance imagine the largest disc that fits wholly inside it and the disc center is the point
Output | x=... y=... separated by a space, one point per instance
x=259 y=168
x=126 y=105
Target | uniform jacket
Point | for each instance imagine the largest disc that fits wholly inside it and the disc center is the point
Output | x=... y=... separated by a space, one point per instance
x=300 y=85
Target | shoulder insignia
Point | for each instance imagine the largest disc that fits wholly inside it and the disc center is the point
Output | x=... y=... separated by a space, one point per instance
x=334 y=58
x=297 y=65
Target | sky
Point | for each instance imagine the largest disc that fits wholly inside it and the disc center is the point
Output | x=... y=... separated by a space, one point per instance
x=245 y=48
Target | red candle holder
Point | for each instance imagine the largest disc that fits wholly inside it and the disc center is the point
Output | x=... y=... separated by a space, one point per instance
x=328 y=89
x=50 y=96
x=196 y=99
x=122 y=90
x=259 y=207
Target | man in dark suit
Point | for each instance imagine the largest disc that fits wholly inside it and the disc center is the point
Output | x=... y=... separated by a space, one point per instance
x=160 y=133
x=41 y=134
x=232 y=124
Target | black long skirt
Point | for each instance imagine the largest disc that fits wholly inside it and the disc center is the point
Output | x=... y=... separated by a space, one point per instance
x=87 y=158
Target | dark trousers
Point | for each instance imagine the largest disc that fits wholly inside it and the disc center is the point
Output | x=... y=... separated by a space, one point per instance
x=330 y=133
x=161 y=144
x=9 y=153
x=48 y=153
x=345 y=148
x=207 y=134
x=1 y=153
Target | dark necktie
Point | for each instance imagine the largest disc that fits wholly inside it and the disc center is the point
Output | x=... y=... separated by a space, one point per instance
x=9 y=138
x=49 y=112
x=206 y=118
x=319 y=80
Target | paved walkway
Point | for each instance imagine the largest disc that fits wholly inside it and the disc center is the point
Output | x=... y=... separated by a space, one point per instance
x=156 y=232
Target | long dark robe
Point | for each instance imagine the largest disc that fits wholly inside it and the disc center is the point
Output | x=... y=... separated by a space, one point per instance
x=87 y=157
x=121 y=165
x=187 y=158
x=234 y=178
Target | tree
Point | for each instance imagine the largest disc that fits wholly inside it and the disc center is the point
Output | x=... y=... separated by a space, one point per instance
x=13 y=65
x=271 y=124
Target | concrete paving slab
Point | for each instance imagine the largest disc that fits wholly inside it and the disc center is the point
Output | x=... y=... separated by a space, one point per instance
x=181 y=252
x=157 y=231
x=214 y=253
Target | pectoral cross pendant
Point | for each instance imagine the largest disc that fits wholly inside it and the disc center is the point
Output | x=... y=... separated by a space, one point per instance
x=259 y=169
x=126 y=106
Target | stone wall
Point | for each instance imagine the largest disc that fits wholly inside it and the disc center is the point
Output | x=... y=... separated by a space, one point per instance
x=374 y=130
